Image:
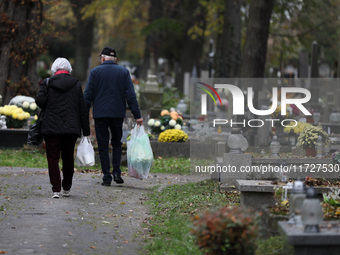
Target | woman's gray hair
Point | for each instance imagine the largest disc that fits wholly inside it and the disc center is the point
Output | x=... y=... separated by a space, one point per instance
x=61 y=64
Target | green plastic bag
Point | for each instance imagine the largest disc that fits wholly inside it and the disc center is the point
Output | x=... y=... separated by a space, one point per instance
x=139 y=153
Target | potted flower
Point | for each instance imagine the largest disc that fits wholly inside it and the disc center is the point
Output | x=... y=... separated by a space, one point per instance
x=308 y=138
x=167 y=120
x=173 y=135
x=16 y=117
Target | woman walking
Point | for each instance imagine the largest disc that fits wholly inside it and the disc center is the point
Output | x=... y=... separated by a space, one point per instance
x=65 y=118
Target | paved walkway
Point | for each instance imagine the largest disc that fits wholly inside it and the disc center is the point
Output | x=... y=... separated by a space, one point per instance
x=93 y=220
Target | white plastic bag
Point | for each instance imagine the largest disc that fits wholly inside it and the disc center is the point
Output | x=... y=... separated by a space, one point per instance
x=85 y=153
x=139 y=153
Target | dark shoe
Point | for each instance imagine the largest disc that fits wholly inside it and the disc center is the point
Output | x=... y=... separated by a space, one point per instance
x=106 y=184
x=118 y=179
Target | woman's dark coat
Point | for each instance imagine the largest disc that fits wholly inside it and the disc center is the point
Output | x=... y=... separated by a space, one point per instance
x=65 y=108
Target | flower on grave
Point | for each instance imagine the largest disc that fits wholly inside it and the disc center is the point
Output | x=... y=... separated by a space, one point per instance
x=15 y=116
x=164 y=112
x=177 y=126
x=173 y=135
x=167 y=120
x=151 y=122
x=25 y=104
x=336 y=157
x=33 y=106
x=35 y=117
x=308 y=137
x=172 y=123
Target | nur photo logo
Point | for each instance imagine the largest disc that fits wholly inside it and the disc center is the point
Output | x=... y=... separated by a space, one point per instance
x=239 y=103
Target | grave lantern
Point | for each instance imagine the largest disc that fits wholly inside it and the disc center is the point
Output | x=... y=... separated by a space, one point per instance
x=296 y=199
x=236 y=142
x=319 y=147
x=334 y=117
x=275 y=147
x=292 y=138
x=311 y=212
x=316 y=116
x=182 y=107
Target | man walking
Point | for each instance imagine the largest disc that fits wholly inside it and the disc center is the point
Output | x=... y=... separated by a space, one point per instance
x=109 y=88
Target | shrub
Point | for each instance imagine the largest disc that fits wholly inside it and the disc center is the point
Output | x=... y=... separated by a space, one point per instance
x=229 y=230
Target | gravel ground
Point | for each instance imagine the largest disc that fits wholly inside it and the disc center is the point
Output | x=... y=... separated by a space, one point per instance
x=93 y=220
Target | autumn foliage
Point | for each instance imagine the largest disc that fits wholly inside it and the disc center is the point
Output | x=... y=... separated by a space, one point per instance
x=229 y=230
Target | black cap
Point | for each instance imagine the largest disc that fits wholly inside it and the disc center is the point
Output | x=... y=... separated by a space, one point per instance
x=109 y=51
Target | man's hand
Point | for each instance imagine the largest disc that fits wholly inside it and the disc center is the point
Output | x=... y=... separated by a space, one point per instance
x=139 y=121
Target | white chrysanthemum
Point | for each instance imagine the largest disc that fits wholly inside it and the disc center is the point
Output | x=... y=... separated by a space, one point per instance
x=157 y=123
x=172 y=123
x=25 y=104
x=178 y=126
x=33 y=106
x=162 y=128
x=151 y=122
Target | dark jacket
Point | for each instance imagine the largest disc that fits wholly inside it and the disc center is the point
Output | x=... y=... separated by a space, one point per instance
x=65 y=108
x=109 y=88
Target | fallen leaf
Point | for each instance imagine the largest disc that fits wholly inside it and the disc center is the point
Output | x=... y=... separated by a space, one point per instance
x=122 y=203
x=125 y=241
x=3 y=252
x=93 y=247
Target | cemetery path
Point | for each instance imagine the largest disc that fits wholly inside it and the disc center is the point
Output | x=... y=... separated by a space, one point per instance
x=93 y=220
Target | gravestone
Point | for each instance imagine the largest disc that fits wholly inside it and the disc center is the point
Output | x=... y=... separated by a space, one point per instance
x=325 y=242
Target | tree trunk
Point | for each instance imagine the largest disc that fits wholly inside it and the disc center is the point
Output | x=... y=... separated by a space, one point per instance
x=84 y=39
x=153 y=40
x=255 y=49
x=191 y=45
x=19 y=47
x=228 y=48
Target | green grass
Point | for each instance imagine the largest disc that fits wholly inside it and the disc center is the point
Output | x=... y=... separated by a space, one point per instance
x=22 y=158
x=171 y=165
x=36 y=158
x=172 y=209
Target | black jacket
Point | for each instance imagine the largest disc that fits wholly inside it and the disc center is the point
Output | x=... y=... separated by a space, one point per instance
x=65 y=108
